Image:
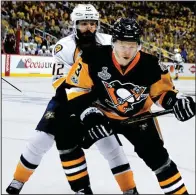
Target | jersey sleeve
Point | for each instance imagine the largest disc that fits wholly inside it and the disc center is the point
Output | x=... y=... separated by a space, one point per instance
x=80 y=79
x=61 y=64
x=161 y=90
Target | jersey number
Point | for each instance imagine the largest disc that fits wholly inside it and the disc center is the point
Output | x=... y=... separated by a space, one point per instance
x=57 y=69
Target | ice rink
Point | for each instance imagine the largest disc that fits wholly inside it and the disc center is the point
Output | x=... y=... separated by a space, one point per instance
x=22 y=111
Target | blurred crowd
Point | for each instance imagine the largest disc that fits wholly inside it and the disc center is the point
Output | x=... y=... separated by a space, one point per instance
x=166 y=25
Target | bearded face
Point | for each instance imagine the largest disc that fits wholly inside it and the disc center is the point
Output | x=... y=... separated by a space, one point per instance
x=86 y=30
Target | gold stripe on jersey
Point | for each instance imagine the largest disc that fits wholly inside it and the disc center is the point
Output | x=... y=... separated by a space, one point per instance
x=161 y=87
x=75 y=92
x=80 y=73
x=125 y=180
x=73 y=95
x=73 y=162
x=76 y=54
x=58 y=82
x=22 y=174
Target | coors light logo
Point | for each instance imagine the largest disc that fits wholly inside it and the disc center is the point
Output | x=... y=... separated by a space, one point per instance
x=30 y=63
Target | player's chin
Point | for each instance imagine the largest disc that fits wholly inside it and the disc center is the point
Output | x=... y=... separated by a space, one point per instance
x=124 y=62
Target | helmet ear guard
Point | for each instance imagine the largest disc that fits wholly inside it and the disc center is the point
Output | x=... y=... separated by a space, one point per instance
x=139 y=47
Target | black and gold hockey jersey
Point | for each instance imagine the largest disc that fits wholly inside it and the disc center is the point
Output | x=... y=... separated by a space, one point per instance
x=120 y=92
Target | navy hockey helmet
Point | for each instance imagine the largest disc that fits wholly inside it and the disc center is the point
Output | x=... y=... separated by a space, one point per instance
x=126 y=29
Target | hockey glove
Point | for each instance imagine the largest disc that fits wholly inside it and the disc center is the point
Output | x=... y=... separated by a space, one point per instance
x=96 y=125
x=184 y=108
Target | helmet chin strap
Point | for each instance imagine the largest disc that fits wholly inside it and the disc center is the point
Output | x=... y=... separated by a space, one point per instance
x=139 y=47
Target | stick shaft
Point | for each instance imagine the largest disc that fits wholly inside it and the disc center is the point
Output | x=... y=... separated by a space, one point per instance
x=146 y=116
x=11 y=84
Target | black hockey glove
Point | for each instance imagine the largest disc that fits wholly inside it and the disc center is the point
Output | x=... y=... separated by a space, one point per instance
x=96 y=125
x=183 y=106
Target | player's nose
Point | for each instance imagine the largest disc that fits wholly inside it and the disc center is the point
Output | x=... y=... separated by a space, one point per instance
x=89 y=26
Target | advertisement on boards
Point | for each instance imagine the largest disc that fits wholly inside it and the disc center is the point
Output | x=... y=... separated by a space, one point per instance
x=24 y=65
x=186 y=72
x=41 y=66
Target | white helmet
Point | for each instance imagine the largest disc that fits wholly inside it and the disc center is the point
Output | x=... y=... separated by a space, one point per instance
x=44 y=47
x=84 y=12
x=176 y=50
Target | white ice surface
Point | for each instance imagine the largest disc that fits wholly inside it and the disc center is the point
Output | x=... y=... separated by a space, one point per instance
x=22 y=111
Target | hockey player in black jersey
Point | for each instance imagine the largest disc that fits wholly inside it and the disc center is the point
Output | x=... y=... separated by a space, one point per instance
x=122 y=82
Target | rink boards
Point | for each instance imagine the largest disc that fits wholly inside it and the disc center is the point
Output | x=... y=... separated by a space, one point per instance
x=41 y=66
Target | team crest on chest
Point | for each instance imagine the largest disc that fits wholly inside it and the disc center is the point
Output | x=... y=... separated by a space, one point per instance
x=123 y=97
x=104 y=74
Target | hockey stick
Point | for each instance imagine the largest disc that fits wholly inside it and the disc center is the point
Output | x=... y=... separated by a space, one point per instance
x=11 y=84
x=145 y=116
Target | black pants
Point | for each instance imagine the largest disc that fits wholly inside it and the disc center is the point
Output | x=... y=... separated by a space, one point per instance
x=146 y=141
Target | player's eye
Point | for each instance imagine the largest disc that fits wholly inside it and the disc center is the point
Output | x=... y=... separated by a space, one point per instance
x=92 y=23
x=84 y=23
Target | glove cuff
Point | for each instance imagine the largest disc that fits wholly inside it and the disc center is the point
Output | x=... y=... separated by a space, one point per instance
x=169 y=100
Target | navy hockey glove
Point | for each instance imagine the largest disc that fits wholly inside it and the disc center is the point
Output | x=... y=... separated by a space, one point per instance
x=184 y=108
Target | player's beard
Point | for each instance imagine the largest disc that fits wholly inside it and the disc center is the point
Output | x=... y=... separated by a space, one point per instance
x=86 y=39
